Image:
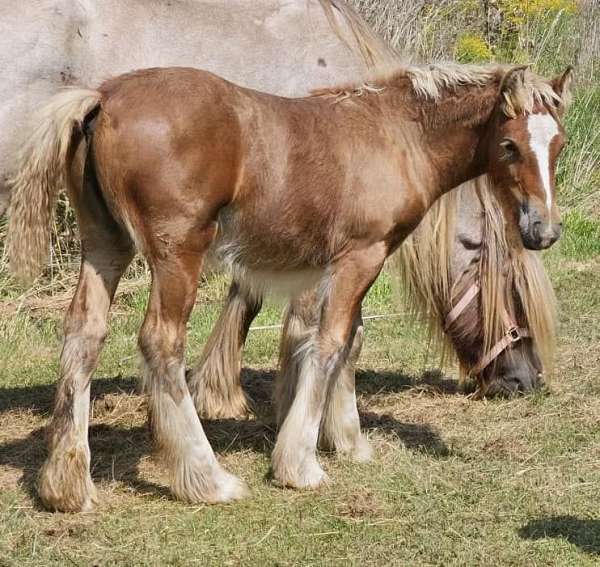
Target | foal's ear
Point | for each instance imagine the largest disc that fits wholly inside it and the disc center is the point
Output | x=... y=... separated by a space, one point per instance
x=516 y=97
x=562 y=87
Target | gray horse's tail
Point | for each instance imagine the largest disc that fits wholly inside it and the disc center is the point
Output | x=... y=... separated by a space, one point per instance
x=41 y=171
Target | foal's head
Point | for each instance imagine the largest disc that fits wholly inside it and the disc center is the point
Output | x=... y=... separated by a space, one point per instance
x=523 y=144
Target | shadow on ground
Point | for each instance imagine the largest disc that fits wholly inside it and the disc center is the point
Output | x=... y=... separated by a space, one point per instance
x=584 y=533
x=117 y=449
x=258 y=383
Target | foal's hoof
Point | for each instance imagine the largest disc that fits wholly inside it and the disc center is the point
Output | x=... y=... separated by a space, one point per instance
x=306 y=474
x=230 y=488
x=212 y=403
x=197 y=485
x=362 y=452
x=356 y=448
x=65 y=484
x=236 y=407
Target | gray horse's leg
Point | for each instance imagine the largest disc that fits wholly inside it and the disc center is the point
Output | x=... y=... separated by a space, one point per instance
x=215 y=382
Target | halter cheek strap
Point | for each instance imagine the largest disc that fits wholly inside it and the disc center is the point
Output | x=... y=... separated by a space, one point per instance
x=512 y=334
x=469 y=296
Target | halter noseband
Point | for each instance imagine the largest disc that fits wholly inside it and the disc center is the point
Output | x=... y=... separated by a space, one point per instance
x=513 y=333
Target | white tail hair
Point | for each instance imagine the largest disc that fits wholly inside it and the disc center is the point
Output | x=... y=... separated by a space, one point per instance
x=40 y=174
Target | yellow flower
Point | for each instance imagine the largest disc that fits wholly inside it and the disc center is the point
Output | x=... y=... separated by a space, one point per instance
x=471 y=48
x=518 y=11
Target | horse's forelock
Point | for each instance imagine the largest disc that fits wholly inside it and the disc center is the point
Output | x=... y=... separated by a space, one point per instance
x=423 y=268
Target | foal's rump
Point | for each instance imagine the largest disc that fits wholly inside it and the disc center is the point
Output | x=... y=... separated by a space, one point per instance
x=167 y=155
x=125 y=150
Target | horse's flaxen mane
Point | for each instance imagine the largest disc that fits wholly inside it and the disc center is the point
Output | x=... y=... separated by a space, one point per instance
x=424 y=259
x=431 y=82
x=374 y=51
x=424 y=266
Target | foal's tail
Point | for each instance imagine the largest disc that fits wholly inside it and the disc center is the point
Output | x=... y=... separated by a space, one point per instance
x=41 y=171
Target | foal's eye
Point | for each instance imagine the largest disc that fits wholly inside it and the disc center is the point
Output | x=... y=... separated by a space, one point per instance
x=510 y=149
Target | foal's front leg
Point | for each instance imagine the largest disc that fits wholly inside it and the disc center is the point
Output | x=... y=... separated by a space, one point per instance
x=196 y=475
x=215 y=383
x=320 y=360
x=301 y=323
x=340 y=428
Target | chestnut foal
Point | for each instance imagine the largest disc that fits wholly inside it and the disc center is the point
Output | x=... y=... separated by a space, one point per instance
x=294 y=193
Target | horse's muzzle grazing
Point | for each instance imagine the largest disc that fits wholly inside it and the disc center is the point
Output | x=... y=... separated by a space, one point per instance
x=514 y=384
x=537 y=234
x=518 y=371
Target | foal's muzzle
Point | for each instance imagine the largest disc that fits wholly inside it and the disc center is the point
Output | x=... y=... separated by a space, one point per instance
x=537 y=233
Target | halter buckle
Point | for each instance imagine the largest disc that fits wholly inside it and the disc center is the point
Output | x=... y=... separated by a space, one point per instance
x=513 y=334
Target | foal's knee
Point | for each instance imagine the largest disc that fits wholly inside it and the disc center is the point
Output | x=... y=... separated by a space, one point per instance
x=160 y=340
x=89 y=326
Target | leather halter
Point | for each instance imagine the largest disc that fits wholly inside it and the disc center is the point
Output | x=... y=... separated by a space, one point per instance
x=513 y=333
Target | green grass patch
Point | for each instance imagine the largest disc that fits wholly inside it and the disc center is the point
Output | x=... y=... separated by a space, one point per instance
x=580 y=239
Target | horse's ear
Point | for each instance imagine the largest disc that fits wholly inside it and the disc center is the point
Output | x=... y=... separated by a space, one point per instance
x=516 y=98
x=562 y=87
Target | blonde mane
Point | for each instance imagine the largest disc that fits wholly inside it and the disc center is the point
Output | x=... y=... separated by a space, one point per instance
x=374 y=51
x=423 y=261
x=423 y=268
x=431 y=82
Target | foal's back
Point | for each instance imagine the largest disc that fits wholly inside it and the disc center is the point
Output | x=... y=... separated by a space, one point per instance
x=181 y=150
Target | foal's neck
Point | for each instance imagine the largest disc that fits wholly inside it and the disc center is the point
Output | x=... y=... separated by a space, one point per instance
x=451 y=131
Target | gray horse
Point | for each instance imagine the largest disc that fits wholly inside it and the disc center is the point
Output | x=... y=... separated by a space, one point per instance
x=285 y=47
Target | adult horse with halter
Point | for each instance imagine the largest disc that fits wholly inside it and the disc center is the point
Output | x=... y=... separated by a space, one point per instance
x=295 y=193
x=307 y=43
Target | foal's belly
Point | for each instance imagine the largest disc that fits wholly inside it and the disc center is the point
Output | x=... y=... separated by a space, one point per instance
x=269 y=261
x=262 y=274
x=285 y=284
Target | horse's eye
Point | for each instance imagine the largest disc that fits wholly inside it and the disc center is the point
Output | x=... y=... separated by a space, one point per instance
x=510 y=149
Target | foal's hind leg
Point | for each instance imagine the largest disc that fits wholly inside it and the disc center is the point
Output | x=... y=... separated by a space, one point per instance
x=196 y=476
x=215 y=383
x=340 y=428
x=65 y=483
x=322 y=357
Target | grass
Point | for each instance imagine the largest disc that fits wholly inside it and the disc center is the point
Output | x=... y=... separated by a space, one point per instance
x=453 y=481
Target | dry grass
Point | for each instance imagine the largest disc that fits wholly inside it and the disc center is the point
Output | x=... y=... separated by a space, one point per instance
x=453 y=481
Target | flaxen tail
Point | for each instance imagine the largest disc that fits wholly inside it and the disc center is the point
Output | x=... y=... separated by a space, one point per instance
x=40 y=174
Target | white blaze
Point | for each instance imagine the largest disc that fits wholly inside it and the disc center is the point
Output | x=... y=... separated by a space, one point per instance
x=542 y=129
